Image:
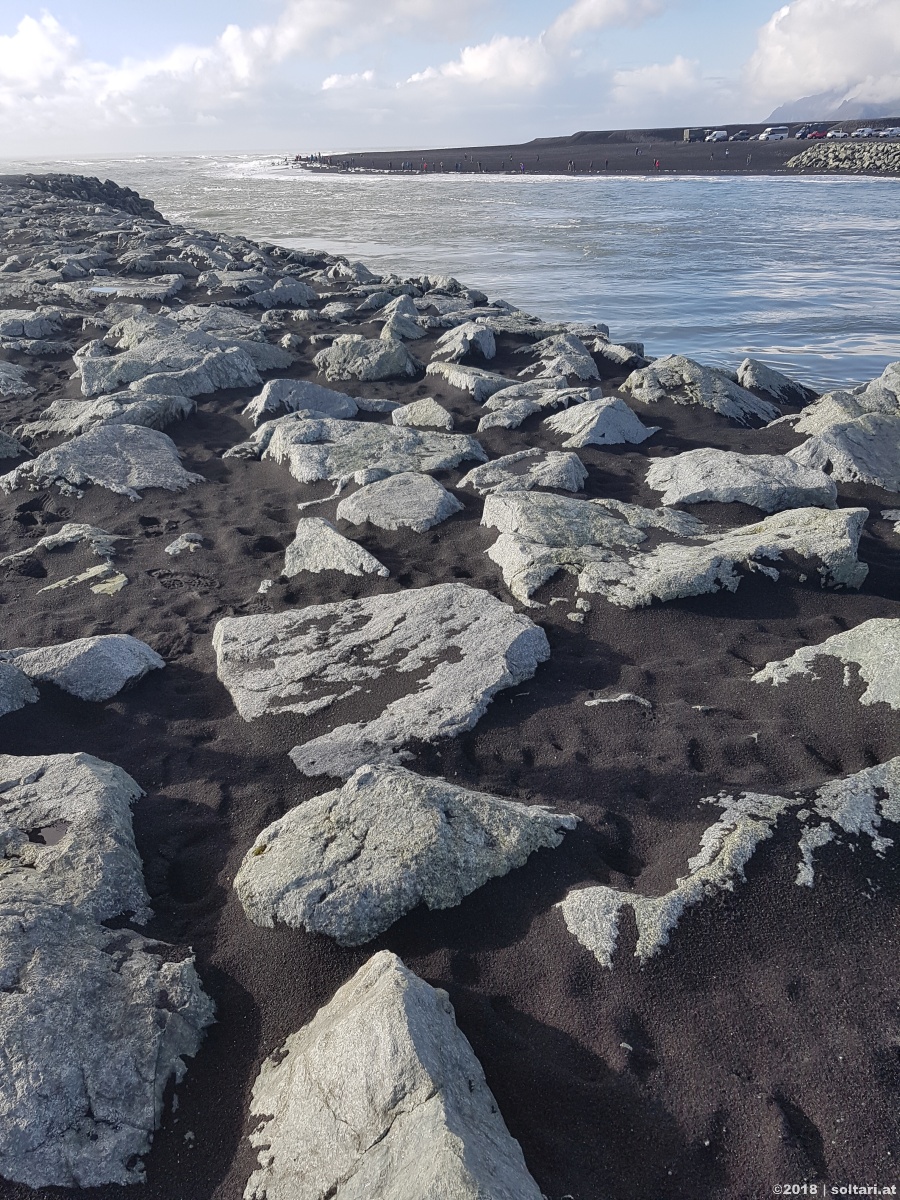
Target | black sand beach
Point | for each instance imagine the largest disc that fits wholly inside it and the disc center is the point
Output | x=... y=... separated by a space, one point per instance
x=760 y=1047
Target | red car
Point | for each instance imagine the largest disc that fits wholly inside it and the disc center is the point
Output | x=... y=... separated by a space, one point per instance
x=817 y=133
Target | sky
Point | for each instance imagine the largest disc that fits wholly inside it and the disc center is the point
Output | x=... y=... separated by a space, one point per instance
x=244 y=76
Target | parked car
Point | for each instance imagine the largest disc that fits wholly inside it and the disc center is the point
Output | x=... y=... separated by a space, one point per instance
x=774 y=133
x=717 y=135
x=741 y=136
x=893 y=132
x=803 y=131
x=815 y=134
x=866 y=131
x=837 y=133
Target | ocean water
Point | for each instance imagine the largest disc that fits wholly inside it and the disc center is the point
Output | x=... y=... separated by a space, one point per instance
x=799 y=272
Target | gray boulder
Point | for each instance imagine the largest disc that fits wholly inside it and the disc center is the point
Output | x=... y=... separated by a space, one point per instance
x=69 y=418
x=14 y=381
x=600 y=423
x=470 y=338
x=350 y=863
x=16 y=689
x=423 y=414
x=25 y=323
x=91 y=668
x=381 y=1095
x=95 y=1024
x=401 y=321
x=293 y=395
x=683 y=381
x=194 y=363
x=364 y=451
x=525 y=470
x=562 y=354
x=511 y=406
x=767 y=481
x=864 y=450
x=872 y=647
x=317 y=546
x=121 y=458
x=66 y=836
x=355 y=357
x=10 y=447
x=481 y=384
x=450 y=647
x=757 y=377
x=406 y=500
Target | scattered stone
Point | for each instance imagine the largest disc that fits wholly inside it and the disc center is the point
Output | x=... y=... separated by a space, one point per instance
x=768 y=481
x=16 y=690
x=92 y=668
x=354 y=357
x=525 y=470
x=317 y=546
x=71 y=418
x=683 y=381
x=470 y=644
x=108 y=580
x=338 y=311
x=401 y=320
x=122 y=458
x=622 y=698
x=406 y=500
x=184 y=542
x=381 y=1095
x=98 y=541
x=294 y=395
x=423 y=414
x=352 y=862
x=887 y=514
x=562 y=354
x=864 y=450
x=470 y=338
x=872 y=647
x=600 y=423
x=618 y=358
x=757 y=377
x=511 y=406
x=481 y=384
x=13 y=381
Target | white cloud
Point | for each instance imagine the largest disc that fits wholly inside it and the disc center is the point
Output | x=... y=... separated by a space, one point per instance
x=334 y=82
x=36 y=53
x=815 y=46
x=504 y=62
x=587 y=15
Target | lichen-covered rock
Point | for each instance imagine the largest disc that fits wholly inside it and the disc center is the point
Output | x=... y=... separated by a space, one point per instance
x=355 y=357
x=864 y=450
x=401 y=321
x=197 y=363
x=294 y=395
x=69 y=418
x=509 y=407
x=10 y=447
x=350 y=863
x=16 y=689
x=14 y=381
x=481 y=384
x=317 y=546
x=562 y=354
x=408 y=500
x=767 y=481
x=683 y=381
x=453 y=647
x=95 y=1023
x=600 y=423
x=66 y=836
x=757 y=377
x=470 y=338
x=423 y=414
x=340 y=450
x=122 y=458
x=99 y=541
x=872 y=647
x=91 y=668
x=525 y=470
x=381 y=1095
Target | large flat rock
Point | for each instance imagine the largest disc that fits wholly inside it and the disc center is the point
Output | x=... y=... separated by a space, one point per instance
x=768 y=481
x=527 y=469
x=381 y=1095
x=350 y=863
x=317 y=546
x=682 y=381
x=91 y=668
x=295 y=395
x=356 y=357
x=864 y=450
x=600 y=423
x=450 y=647
x=409 y=500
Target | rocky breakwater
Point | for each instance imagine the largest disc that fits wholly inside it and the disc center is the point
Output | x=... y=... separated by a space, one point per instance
x=443 y=751
x=868 y=157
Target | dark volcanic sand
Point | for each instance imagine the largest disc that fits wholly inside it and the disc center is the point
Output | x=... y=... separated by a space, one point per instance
x=765 y=1039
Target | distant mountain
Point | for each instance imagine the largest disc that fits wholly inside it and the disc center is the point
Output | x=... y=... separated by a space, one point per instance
x=834 y=106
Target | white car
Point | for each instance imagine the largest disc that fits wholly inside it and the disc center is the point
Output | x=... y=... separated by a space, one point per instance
x=889 y=133
x=774 y=133
x=837 y=133
x=717 y=135
x=865 y=132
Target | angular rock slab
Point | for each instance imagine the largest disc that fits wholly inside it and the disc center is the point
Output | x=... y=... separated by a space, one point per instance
x=600 y=423
x=355 y=357
x=481 y=384
x=408 y=500
x=121 y=458
x=768 y=481
x=381 y=1095
x=69 y=418
x=757 y=377
x=16 y=689
x=350 y=863
x=561 y=354
x=92 y=668
x=509 y=407
x=683 y=381
x=98 y=540
x=80 y=809
x=14 y=380
x=469 y=338
x=10 y=447
x=525 y=470
x=423 y=414
x=453 y=646
x=865 y=450
x=317 y=547
x=294 y=395
x=873 y=647
x=363 y=451
x=94 y=1025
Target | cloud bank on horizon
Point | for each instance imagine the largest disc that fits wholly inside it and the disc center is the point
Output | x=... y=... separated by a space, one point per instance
x=352 y=74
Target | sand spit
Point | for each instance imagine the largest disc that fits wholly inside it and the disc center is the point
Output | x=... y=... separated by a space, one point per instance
x=559 y=856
